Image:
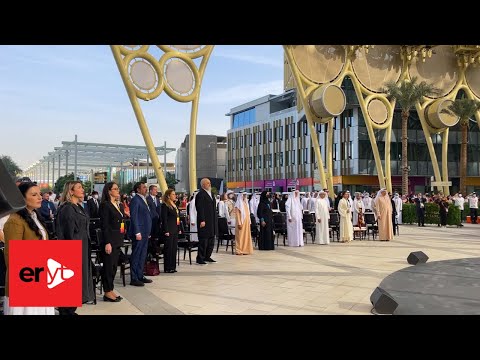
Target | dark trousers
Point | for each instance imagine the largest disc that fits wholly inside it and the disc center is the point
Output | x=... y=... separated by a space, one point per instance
x=138 y=257
x=67 y=311
x=170 y=252
x=110 y=265
x=443 y=218
x=473 y=215
x=421 y=217
x=205 y=248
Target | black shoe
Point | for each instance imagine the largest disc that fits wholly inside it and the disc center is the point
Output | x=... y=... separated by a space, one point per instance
x=105 y=298
x=146 y=281
x=210 y=260
x=201 y=263
x=119 y=297
x=137 y=283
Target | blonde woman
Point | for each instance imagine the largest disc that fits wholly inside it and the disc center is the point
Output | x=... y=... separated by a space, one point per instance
x=170 y=230
x=73 y=224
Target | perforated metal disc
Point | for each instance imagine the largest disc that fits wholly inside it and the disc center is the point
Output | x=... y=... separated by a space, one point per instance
x=381 y=64
x=440 y=70
x=320 y=63
x=179 y=76
x=143 y=74
x=473 y=79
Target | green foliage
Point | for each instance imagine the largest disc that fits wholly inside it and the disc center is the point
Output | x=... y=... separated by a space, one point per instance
x=12 y=167
x=407 y=92
x=453 y=216
x=214 y=191
x=171 y=180
x=87 y=186
x=126 y=188
x=61 y=181
x=463 y=108
x=409 y=213
x=432 y=213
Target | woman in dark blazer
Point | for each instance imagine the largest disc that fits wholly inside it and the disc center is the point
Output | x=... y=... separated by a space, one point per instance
x=170 y=230
x=113 y=232
x=72 y=223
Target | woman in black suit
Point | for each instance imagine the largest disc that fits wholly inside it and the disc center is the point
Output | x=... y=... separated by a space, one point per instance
x=170 y=230
x=72 y=223
x=113 y=232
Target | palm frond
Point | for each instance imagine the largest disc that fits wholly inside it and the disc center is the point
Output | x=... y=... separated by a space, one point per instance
x=463 y=108
x=409 y=92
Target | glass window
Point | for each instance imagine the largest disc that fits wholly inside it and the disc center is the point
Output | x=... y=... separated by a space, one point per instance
x=334 y=152
x=259 y=161
x=250 y=162
x=259 y=134
x=246 y=119
x=293 y=130
x=281 y=158
x=269 y=135
x=350 y=149
x=241 y=163
x=293 y=156
x=233 y=165
x=281 y=132
x=270 y=160
x=235 y=120
x=241 y=142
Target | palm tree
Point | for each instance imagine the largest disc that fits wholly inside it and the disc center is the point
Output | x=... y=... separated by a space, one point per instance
x=464 y=109
x=407 y=93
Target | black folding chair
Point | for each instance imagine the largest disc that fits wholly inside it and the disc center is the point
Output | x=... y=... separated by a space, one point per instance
x=308 y=222
x=224 y=233
x=371 y=224
x=334 y=225
x=280 y=226
x=185 y=243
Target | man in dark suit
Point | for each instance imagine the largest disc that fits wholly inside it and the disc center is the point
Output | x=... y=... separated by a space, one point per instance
x=155 y=210
x=205 y=205
x=93 y=206
x=420 y=205
x=139 y=231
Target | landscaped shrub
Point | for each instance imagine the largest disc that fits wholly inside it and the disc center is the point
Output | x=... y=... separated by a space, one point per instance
x=432 y=213
x=409 y=213
x=453 y=216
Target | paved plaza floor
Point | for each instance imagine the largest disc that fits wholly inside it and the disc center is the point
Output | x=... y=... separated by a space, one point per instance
x=315 y=279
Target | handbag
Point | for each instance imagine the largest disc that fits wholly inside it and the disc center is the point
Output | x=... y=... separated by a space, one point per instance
x=152 y=267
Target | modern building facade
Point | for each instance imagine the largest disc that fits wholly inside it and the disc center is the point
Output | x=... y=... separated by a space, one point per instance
x=269 y=147
x=211 y=160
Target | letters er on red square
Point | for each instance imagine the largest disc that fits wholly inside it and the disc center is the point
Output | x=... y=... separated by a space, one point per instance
x=45 y=273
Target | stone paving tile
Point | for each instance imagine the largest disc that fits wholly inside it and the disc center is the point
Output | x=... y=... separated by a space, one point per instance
x=334 y=279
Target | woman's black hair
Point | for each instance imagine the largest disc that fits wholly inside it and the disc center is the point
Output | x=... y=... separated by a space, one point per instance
x=25 y=214
x=105 y=195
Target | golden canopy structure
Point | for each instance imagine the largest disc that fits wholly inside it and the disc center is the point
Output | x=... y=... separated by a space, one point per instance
x=318 y=72
x=146 y=78
x=449 y=68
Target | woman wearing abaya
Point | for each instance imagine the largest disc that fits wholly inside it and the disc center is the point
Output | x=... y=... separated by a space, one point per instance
x=265 y=214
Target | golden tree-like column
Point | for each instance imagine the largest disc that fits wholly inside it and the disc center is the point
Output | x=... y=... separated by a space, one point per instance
x=146 y=78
